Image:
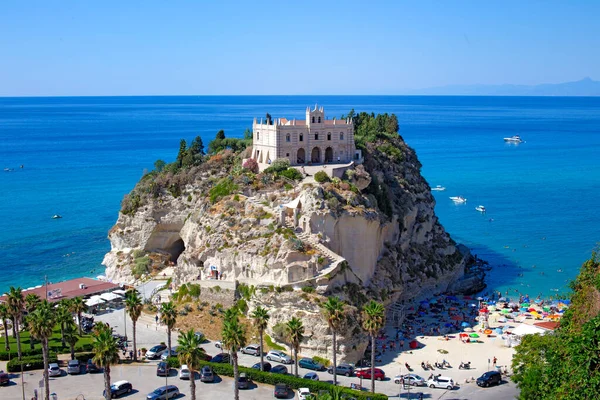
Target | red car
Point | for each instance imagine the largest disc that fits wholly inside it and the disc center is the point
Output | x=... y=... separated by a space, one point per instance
x=4 y=380
x=366 y=374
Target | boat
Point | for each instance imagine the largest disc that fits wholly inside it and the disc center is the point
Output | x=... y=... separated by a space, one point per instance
x=480 y=208
x=8 y=169
x=439 y=188
x=56 y=216
x=458 y=199
x=514 y=139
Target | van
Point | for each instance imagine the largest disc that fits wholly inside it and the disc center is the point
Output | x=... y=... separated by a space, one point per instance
x=489 y=378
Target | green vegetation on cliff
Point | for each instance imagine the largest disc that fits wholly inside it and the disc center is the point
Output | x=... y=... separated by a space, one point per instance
x=566 y=364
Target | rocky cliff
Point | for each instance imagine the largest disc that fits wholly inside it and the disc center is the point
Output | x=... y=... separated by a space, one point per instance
x=371 y=234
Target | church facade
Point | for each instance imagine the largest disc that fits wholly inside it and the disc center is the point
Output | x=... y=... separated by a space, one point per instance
x=314 y=140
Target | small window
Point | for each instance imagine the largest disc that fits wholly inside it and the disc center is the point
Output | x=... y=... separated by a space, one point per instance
x=319 y=119
x=316 y=136
x=257 y=135
x=288 y=138
x=342 y=136
x=313 y=120
x=287 y=154
x=328 y=135
x=302 y=137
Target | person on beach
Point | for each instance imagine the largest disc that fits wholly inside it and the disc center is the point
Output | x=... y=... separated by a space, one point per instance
x=495 y=361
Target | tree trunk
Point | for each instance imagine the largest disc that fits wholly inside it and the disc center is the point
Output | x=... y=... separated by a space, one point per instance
x=373 y=350
x=193 y=384
x=261 y=349
x=296 y=359
x=79 y=323
x=18 y=338
x=6 y=345
x=46 y=378
x=169 y=340
x=334 y=359
x=107 y=393
x=236 y=376
x=14 y=327
x=62 y=335
x=31 y=344
x=72 y=351
x=133 y=321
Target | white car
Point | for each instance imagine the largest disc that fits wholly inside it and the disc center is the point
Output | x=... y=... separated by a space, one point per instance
x=279 y=356
x=441 y=382
x=54 y=370
x=219 y=344
x=304 y=394
x=166 y=355
x=184 y=372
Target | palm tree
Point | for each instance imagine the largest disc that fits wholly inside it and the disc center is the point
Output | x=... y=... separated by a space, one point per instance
x=32 y=300
x=78 y=306
x=333 y=310
x=260 y=317
x=106 y=353
x=5 y=315
x=71 y=337
x=168 y=316
x=373 y=316
x=133 y=306
x=15 y=306
x=295 y=333
x=63 y=317
x=41 y=322
x=190 y=353
x=234 y=338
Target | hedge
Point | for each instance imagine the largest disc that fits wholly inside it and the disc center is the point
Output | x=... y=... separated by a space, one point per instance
x=26 y=351
x=290 y=380
x=84 y=357
x=29 y=363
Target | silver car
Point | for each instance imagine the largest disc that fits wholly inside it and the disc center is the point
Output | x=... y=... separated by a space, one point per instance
x=279 y=356
x=54 y=370
x=164 y=393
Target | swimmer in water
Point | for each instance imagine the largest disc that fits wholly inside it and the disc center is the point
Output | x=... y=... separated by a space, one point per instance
x=559 y=270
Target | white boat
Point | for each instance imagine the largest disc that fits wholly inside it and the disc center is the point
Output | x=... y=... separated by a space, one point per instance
x=480 y=208
x=56 y=216
x=514 y=139
x=438 y=188
x=458 y=199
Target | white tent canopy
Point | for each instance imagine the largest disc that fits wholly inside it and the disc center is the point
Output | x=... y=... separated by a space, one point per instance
x=94 y=301
x=110 y=296
x=120 y=292
x=525 y=329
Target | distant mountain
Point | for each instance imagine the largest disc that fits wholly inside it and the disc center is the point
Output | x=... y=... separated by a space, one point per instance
x=583 y=87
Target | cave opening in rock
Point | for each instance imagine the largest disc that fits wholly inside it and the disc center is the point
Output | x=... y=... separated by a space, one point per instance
x=175 y=249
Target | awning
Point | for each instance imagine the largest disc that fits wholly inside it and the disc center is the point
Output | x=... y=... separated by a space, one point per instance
x=94 y=301
x=525 y=329
x=110 y=296
x=120 y=292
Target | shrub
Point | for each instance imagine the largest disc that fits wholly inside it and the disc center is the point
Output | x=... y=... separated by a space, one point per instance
x=173 y=362
x=321 y=177
x=292 y=173
x=251 y=165
x=84 y=357
x=308 y=289
x=224 y=188
x=322 y=360
x=30 y=363
x=281 y=164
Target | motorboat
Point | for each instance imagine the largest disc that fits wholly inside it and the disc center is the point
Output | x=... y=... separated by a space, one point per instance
x=458 y=199
x=514 y=139
x=439 y=188
x=480 y=208
x=56 y=216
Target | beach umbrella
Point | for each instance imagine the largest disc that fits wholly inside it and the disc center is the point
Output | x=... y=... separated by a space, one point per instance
x=465 y=324
x=414 y=344
x=498 y=331
x=467 y=297
x=453 y=298
x=505 y=328
x=452 y=309
x=547 y=309
x=480 y=298
x=468 y=329
x=447 y=325
x=505 y=311
x=502 y=299
x=502 y=319
x=524 y=304
x=424 y=302
x=523 y=309
x=456 y=318
x=474 y=335
x=473 y=305
x=531 y=309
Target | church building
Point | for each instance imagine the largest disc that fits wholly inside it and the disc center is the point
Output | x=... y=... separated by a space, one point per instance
x=314 y=140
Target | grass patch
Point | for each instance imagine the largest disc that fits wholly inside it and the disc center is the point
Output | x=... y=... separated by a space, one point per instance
x=272 y=344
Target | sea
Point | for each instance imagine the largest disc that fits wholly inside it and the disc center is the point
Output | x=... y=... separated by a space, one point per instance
x=78 y=156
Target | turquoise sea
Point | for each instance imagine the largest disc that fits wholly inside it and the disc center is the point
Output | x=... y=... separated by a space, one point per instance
x=81 y=155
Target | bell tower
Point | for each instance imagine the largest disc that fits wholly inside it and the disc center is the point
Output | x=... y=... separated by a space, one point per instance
x=315 y=117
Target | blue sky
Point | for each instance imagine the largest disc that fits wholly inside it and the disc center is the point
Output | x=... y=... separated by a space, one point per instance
x=50 y=48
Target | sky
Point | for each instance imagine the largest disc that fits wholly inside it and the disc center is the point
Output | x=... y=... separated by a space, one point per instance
x=86 y=48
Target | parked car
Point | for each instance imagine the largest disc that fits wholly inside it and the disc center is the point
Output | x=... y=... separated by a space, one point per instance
x=156 y=351
x=54 y=370
x=364 y=363
x=164 y=393
x=207 y=374
x=366 y=374
x=184 y=372
x=279 y=369
x=489 y=378
x=119 y=388
x=221 y=358
x=313 y=376
x=91 y=367
x=281 y=391
x=73 y=367
x=309 y=363
x=410 y=379
x=166 y=354
x=162 y=369
x=279 y=356
x=266 y=366
x=200 y=336
x=243 y=381
x=252 y=349
x=304 y=394
x=441 y=382
x=219 y=344
x=4 y=379
x=342 y=369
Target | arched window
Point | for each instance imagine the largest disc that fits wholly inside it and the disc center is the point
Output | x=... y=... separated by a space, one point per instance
x=328 y=135
x=257 y=135
x=341 y=135
x=302 y=137
x=288 y=138
x=313 y=120
x=316 y=136
x=319 y=119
